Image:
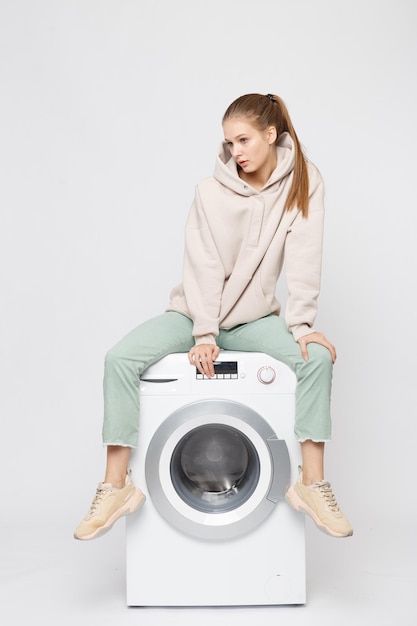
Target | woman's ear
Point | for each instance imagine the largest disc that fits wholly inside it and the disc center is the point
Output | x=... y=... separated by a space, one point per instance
x=272 y=134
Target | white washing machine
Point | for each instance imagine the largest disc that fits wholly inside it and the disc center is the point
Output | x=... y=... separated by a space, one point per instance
x=215 y=457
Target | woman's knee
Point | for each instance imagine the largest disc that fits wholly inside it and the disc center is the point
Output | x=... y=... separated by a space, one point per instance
x=320 y=356
x=113 y=359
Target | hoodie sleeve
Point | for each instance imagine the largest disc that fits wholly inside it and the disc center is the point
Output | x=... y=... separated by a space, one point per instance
x=203 y=278
x=303 y=257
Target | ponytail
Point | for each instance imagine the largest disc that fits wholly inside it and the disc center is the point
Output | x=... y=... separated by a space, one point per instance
x=270 y=110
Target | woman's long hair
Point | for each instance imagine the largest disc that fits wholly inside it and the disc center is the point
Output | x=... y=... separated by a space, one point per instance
x=270 y=110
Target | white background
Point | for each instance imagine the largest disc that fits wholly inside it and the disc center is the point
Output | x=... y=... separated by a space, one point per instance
x=110 y=112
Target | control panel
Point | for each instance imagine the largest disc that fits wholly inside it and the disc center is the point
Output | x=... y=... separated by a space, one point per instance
x=228 y=370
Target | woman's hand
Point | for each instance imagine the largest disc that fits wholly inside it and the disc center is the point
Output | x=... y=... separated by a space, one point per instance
x=316 y=338
x=203 y=356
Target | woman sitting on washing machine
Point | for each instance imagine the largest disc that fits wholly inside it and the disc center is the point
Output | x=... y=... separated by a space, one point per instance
x=263 y=204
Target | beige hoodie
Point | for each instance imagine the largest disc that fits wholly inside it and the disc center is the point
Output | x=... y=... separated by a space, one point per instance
x=235 y=242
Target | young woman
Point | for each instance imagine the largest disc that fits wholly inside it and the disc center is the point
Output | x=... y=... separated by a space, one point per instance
x=263 y=204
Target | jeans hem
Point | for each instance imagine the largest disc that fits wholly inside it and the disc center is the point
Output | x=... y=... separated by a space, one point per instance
x=122 y=445
x=313 y=439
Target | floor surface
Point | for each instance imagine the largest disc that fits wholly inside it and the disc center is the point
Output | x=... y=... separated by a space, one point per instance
x=48 y=576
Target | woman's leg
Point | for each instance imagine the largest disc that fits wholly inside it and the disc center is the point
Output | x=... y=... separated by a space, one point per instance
x=124 y=364
x=311 y=494
x=117 y=465
x=313 y=461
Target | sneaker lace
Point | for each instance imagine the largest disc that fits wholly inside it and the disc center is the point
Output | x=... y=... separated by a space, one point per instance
x=329 y=496
x=97 y=499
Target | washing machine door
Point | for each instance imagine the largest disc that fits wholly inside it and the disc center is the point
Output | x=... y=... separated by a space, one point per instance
x=215 y=469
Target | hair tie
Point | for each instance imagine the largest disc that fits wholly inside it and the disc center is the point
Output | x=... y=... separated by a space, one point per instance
x=271 y=97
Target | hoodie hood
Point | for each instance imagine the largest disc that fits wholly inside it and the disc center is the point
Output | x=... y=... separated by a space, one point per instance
x=226 y=168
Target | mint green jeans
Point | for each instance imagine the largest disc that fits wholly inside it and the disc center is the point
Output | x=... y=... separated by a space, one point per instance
x=172 y=332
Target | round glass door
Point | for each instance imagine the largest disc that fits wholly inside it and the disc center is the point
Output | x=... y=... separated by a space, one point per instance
x=215 y=468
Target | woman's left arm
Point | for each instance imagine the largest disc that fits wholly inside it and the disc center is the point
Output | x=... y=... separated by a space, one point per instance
x=303 y=257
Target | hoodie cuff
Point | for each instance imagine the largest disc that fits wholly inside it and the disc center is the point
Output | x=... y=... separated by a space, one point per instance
x=205 y=339
x=301 y=331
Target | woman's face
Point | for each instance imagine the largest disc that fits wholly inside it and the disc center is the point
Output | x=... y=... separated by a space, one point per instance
x=252 y=149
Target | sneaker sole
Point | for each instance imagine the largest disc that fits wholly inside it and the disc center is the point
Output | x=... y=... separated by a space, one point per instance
x=133 y=504
x=298 y=504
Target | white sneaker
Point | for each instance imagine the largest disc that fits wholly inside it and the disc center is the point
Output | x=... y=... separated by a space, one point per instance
x=109 y=504
x=318 y=501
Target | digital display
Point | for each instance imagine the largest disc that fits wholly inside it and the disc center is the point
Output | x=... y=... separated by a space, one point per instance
x=226 y=367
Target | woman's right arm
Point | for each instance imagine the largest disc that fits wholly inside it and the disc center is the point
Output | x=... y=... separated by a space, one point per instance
x=203 y=278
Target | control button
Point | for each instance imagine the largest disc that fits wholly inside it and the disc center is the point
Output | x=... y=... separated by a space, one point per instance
x=266 y=375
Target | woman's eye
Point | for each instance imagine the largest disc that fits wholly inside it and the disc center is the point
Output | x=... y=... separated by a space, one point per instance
x=244 y=139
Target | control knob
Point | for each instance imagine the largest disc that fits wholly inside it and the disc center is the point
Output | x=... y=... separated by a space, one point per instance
x=266 y=375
